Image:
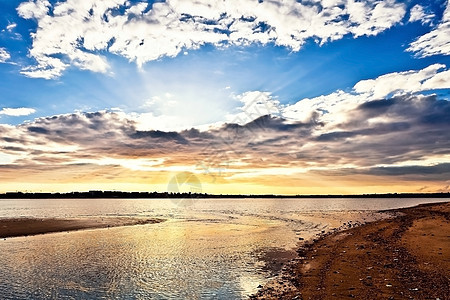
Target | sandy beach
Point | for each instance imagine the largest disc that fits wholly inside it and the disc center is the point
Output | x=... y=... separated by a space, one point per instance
x=32 y=226
x=403 y=257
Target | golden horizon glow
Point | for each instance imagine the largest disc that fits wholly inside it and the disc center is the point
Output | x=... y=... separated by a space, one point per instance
x=258 y=186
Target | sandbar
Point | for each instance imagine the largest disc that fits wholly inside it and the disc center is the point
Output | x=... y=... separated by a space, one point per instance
x=14 y=227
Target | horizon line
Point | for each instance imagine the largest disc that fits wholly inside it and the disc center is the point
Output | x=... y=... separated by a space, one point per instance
x=92 y=194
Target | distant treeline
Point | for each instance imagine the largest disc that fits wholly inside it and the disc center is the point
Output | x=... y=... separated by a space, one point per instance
x=159 y=195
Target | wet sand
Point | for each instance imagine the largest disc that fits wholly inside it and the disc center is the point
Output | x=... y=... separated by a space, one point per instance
x=403 y=257
x=32 y=226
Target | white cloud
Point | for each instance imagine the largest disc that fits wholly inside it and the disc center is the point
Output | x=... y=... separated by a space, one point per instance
x=404 y=82
x=327 y=108
x=75 y=31
x=33 y=9
x=254 y=105
x=333 y=108
x=10 y=30
x=4 y=55
x=374 y=17
x=17 y=112
x=419 y=14
x=11 y=27
x=150 y=121
x=436 y=41
x=48 y=68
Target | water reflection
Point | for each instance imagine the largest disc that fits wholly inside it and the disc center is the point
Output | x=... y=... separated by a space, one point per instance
x=176 y=259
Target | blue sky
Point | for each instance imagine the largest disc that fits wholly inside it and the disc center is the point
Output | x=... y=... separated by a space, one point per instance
x=178 y=64
x=204 y=73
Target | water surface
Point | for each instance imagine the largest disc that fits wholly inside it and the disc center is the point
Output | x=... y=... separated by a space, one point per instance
x=213 y=249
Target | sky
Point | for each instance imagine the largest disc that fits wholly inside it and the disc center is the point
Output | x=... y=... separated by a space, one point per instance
x=268 y=96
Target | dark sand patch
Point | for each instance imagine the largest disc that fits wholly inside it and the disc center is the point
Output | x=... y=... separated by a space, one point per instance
x=405 y=257
x=32 y=226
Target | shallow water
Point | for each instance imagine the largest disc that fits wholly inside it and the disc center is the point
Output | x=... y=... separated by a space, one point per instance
x=212 y=249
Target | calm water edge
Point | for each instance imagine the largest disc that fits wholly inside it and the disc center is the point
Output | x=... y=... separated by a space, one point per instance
x=209 y=249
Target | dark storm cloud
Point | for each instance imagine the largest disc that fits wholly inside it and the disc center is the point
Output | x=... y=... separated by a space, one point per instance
x=36 y=129
x=157 y=134
x=442 y=169
x=379 y=129
x=438 y=172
